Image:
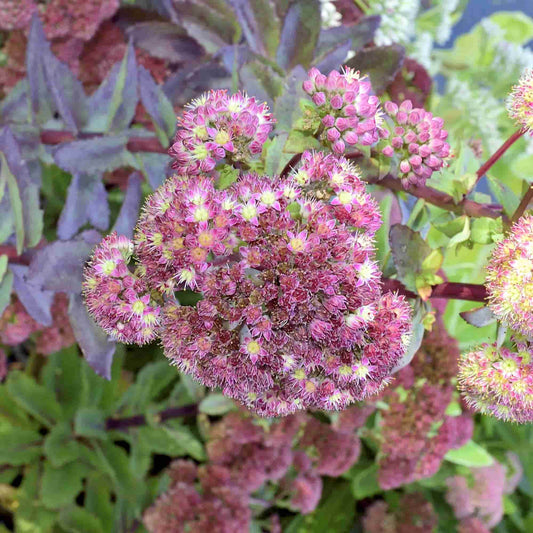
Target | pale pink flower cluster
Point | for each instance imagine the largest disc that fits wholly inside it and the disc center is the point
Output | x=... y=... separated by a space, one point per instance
x=520 y=101
x=479 y=494
x=416 y=139
x=510 y=278
x=413 y=514
x=117 y=298
x=219 y=126
x=412 y=448
x=16 y=14
x=200 y=499
x=346 y=107
x=497 y=381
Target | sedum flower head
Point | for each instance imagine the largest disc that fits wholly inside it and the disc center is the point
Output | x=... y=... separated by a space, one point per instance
x=510 y=278
x=479 y=493
x=344 y=103
x=397 y=20
x=520 y=101
x=417 y=139
x=119 y=300
x=16 y=14
x=497 y=381
x=199 y=499
x=217 y=126
x=334 y=179
x=295 y=317
x=413 y=514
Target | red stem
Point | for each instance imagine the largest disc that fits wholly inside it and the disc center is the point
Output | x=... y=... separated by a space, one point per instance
x=498 y=153
x=449 y=290
x=526 y=200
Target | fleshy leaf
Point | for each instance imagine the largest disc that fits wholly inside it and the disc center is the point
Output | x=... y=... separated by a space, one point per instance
x=259 y=24
x=471 y=454
x=299 y=36
x=380 y=63
x=480 y=317
x=114 y=102
x=157 y=105
x=59 y=265
x=5 y=290
x=408 y=253
x=129 y=212
x=86 y=202
x=36 y=301
x=154 y=167
x=95 y=345
x=96 y=155
x=53 y=87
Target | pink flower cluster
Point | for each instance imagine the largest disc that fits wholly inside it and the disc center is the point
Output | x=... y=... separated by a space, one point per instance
x=347 y=110
x=417 y=139
x=17 y=326
x=497 y=381
x=510 y=278
x=220 y=126
x=335 y=180
x=416 y=432
x=520 y=101
x=16 y=14
x=292 y=453
x=217 y=505
x=244 y=454
x=297 y=318
x=185 y=224
x=479 y=494
x=118 y=299
x=413 y=514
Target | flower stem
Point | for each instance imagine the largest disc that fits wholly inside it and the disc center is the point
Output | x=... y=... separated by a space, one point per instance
x=140 y=420
x=498 y=153
x=526 y=200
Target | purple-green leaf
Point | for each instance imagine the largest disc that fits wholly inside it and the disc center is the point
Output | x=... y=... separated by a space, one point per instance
x=157 y=105
x=96 y=155
x=86 y=203
x=53 y=86
x=95 y=345
x=299 y=36
x=380 y=63
x=59 y=265
x=479 y=317
x=129 y=212
x=37 y=301
x=113 y=104
x=154 y=167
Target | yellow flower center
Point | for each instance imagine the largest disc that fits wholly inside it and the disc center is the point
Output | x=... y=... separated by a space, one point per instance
x=253 y=348
x=222 y=137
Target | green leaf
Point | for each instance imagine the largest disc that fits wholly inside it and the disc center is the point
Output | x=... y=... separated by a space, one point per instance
x=35 y=398
x=216 y=404
x=380 y=63
x=60 y=447
x=60 y=486
x=518 y=26
x=471 y=455
x=98 y=500
x=227 y=177
x=300 y=141
x=19 y=446
x=462 y=236
x=3 y=266
x=75 y=519
x=187 y=440
x=365 y=483
x=486 y=230
x=335 y=513
x=90 y=422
